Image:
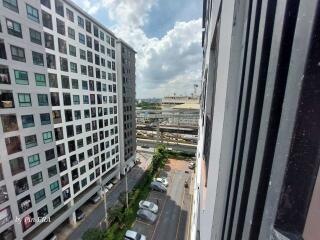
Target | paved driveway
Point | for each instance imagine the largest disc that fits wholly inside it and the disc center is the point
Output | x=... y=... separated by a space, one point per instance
x=173 y=216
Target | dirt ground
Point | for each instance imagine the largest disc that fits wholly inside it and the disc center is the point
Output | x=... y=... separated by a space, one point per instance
x=178 y=165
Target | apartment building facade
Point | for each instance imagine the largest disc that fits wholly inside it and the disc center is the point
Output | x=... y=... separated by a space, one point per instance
x=257 y=173
x=127 y=104
x=59 y=114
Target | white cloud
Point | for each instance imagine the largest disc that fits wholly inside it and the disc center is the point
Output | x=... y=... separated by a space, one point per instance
x=167 y=65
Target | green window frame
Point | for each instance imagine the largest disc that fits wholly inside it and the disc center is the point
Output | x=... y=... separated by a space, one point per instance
x=24 y=100
x=40 y=195
x=54 y=186
x=47 y=137
x=36 y=178
x=35 y=36
x=43 y=100
x=21 y=77
x=40 y=79
x=32 y=13
x=34 y=160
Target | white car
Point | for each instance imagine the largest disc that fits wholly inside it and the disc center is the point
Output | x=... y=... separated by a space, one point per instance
x=148 y=206
x=109 y=186
x=162 y=180
x=132 y=235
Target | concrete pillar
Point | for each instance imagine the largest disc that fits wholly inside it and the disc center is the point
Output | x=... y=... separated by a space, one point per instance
x=72 y=217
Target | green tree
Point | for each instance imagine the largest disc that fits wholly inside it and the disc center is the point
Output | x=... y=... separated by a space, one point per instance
x=93 y=234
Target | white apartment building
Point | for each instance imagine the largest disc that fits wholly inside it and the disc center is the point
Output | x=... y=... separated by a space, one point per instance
x=59 y=123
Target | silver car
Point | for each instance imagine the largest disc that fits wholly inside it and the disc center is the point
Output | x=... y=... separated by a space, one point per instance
x=148 y=206
x=147 y=216
x=158 y=186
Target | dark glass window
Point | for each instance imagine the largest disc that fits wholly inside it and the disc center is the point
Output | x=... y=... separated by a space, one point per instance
x=48 y=41
x=59 y=7
x=14 y=28
x=47 y=20
x=51 y=61
x=60 y=27
x=35 y=36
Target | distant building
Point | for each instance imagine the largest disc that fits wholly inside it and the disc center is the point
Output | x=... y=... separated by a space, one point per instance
x=257 y=174
x=170 y=101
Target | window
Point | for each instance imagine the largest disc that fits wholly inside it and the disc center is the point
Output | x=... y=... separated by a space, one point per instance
x=34 y=160
x=36 y=178
x=46 y=3
x=40 y=195
x=47 y=137
x=52 y=171
x=88 y=26
x=76 y=99
x=45 y=118
x=53 y=80
x=27 y=121
x=59 y=7
x=73 y=67
x=40 y=79
x=80 y=22
x=50 y=154
x=77 y=114
x=14 y=28
x=83 y=70
x=84 y=85
x=11 y=4
x=102 y=36
x=66 y=99
x=21 y=77
x=32 y=13
x=72 y=50
x=70 y=131
x=47 y=20
x=42 y=212
x=17 y=166
x=13 y=144
x=62 y=46
x=35 y=36
x=89 y=42
x=82 y=38
x=48 y=41
x=17 y=53
x=37 y=58
x=54 y=186
x=9 y=123
x=43 y=99
x=82 y=54
x=58 y=133
x=89 y=56
x=31 y=141
x=71 y=33
x=68 y=115
x=70 y=15
x=85 y=99
x=65 y=82
x=56 y=202
x=96 y=45
x=75 y=84
x=63 y=64
x=60 y=27
x=95 y=31
x=51 y=61
x=24 y=99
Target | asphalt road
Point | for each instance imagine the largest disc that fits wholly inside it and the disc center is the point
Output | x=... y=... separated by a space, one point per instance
x=98 y=214
x=173 y=211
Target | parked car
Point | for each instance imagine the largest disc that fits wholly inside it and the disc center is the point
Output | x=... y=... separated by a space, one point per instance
x=148 y=206
x=132 y=235
x=157 y=186
x=51 y=236
x=109 y=186
x=114 y=181
x=79 y=215
x=95 y=198
x=191 y=165
x=162 y=180
x=147 y=216
x=145 y=146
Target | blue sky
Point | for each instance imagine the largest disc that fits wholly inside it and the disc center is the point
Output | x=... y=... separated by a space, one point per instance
x=166 y=35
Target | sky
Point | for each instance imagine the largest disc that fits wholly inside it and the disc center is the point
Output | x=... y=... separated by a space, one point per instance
x=166 y=34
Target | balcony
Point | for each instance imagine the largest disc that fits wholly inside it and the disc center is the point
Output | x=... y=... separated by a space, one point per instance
x=21 y=185
x=6 y=99
x=4 y=75
x=5 y=216
x=3 y=54
x=24 y=204
x=3 y=194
